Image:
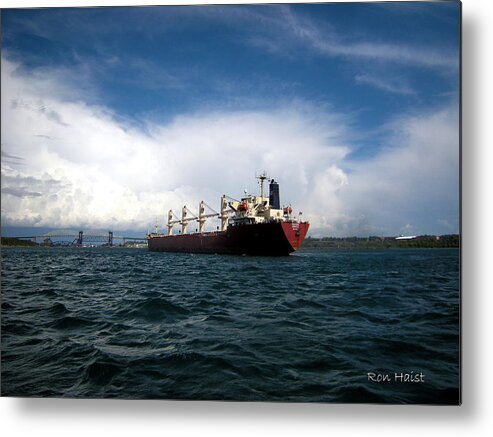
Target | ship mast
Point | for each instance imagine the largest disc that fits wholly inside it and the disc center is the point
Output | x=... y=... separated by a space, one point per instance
x=202 y=216
x=184 y=220
x=170 y=222
x=262 y=179
x=224 y=213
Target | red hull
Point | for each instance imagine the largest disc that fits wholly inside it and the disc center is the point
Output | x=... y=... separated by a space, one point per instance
x=271 y=239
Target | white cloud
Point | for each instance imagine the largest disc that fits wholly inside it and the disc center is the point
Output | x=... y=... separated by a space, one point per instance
x=414 y=180
x=391 y=85
x=66 y=163
x=297 y=30
x=80 y=167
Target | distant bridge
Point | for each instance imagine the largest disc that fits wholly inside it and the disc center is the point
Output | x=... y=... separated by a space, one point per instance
x=81 y=238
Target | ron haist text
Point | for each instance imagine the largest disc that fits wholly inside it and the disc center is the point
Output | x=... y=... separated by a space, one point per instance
x=396 y=377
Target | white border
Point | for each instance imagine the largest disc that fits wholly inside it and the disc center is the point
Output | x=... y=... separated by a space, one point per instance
x=86 y=418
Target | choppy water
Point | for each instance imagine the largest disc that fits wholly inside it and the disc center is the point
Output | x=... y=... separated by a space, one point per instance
x=305 y=328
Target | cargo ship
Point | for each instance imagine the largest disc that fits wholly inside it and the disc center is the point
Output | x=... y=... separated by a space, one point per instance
x=253 y=225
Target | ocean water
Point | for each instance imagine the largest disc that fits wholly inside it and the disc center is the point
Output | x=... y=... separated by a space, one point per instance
x=317 y=326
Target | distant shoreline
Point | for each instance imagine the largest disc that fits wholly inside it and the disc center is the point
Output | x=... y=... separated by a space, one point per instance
x=18 y=242
x=326 y=243
x=424 y=241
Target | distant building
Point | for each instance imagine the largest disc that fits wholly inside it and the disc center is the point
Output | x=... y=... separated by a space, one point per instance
x=406 y=237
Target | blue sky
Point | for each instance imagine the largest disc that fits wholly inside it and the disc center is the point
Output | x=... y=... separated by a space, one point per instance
x=110 y=116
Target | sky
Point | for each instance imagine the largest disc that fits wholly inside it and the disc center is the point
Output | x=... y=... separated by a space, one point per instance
x=112 y=116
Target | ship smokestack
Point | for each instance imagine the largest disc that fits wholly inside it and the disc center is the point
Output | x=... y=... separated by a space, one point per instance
x=274 y=199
